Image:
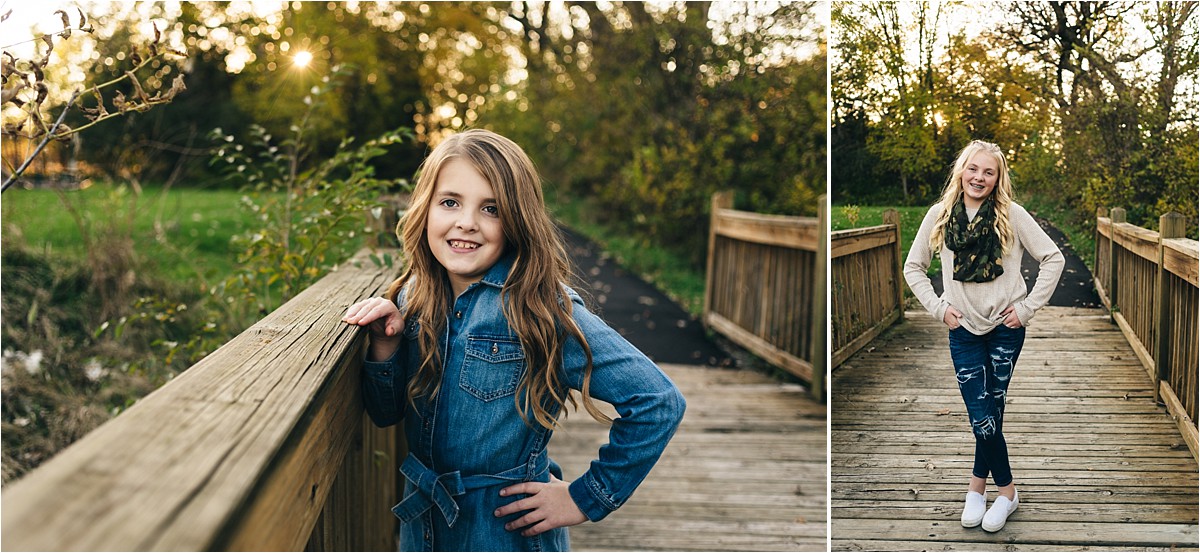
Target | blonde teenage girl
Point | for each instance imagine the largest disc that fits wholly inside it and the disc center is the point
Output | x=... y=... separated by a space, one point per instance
x=981 y=234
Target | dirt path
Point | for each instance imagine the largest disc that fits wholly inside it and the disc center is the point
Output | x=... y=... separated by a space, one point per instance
x=642 y=314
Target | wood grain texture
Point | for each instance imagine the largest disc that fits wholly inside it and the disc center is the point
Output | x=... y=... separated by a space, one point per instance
x=1150 y=285
x=1098 y=464
x=254 y=432
x=776 y=230
x=865 y=292
x=746 y=471
x=762 y=284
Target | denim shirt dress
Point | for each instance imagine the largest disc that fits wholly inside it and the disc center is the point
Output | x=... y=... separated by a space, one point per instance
x=469 y=442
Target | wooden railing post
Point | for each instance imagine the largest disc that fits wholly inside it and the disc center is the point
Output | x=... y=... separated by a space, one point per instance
x=1170 y=225
x=1096 y=234
x=384 y=221
x=720 y=200
x=1117 y=215
x=892 y=217
x=820 y=319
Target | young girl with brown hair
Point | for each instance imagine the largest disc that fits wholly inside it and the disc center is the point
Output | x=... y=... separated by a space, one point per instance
x=476 y=348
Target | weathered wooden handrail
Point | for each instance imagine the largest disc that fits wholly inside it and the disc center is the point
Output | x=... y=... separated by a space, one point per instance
x=1149 y=281
x=262 y=445
x=867 y=290
x=765 y=286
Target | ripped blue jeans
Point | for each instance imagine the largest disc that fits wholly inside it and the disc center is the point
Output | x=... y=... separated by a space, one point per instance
x=984 y=365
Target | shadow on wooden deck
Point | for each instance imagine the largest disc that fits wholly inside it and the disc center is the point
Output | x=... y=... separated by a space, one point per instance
x=746 y=471
x=1097 y=463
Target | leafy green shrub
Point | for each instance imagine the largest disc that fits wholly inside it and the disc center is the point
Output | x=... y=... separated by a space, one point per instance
x=312 y=218
x=69 y=366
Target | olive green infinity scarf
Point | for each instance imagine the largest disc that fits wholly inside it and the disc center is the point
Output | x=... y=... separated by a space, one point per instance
x=976 y=246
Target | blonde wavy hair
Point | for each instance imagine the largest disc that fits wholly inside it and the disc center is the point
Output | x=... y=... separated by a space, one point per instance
x=533 y=297
x=1003 y=194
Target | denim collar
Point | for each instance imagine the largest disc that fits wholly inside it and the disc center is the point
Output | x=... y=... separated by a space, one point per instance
x=498 y=274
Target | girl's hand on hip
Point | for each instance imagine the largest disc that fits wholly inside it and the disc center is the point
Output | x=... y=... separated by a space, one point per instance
x=952 y=316
x=1011 y=320
x=549 y=506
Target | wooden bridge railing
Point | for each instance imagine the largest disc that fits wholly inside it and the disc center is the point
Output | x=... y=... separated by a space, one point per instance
x=262 y=445
x=1149 y=282
x=765 y=286
x=868 y=285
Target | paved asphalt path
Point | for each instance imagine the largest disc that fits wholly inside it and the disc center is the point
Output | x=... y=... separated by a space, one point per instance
x=643 y=315
x=1075 y=287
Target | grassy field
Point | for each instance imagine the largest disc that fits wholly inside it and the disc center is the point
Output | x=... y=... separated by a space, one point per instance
x=182 y=235
x=869 y=216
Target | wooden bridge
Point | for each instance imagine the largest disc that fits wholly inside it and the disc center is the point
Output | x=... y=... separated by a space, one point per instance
x=1098 y=462
x=746 y=471
x=264 y=445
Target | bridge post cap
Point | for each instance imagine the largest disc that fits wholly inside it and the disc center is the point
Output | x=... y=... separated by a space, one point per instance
x=1172 y=225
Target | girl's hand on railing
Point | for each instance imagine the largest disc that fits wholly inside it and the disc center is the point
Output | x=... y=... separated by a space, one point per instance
x=951 y=318
x=549 y=504
x=383 y=320
x=1010 y=318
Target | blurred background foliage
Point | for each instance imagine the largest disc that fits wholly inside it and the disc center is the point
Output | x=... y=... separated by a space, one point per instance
x=1095 y=103
x=645 y=108
x=171 y=229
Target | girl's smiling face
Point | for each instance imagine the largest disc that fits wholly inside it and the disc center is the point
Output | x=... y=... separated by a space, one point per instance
x=463 y=226
x=979 y=178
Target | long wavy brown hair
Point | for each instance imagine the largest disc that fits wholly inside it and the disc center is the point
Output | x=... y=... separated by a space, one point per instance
x=534 y=298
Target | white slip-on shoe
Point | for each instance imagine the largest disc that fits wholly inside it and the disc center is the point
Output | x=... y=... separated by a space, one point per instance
x=995 y=518
x=973 y=510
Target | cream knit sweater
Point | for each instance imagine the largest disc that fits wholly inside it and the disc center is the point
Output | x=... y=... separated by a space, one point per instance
x=982 y=302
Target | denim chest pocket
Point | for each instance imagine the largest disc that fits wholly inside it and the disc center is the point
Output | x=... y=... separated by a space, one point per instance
x=492 y=368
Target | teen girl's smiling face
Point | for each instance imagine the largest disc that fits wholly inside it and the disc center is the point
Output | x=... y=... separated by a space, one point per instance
x=979 y=178
x=463 y=226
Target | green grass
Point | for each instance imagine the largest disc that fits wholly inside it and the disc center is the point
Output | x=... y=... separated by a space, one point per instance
x=195 y=224
x=668 y=271
x=869 y=216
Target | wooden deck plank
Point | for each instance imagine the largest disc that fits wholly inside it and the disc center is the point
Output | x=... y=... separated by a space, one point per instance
x=1098 y=464
x=740 y=427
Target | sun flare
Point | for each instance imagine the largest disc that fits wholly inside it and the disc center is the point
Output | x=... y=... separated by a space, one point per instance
x=302 y=58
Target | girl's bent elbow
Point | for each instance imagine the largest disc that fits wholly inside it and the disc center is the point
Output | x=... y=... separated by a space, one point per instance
x=381 y=420
x=677 y=405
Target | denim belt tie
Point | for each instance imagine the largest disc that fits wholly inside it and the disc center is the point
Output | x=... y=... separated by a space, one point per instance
x=441 y=489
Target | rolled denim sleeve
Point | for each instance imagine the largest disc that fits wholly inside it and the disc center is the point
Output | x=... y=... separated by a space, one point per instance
x=379 y=386
x=649 y=404
x=383 y=383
